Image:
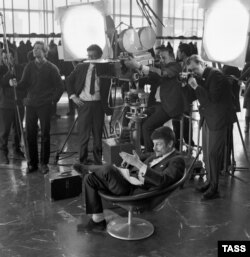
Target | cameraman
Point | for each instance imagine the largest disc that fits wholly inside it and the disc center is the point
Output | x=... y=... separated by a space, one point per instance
x=217 y=112
x=170 y=92
x=183 y=53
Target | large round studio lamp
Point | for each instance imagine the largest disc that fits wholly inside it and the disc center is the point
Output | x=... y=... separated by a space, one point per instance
x=226 y=32
x=81 y=26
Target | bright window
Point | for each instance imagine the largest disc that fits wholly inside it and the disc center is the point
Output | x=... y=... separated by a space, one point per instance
x=21 y=22
x=20 y=4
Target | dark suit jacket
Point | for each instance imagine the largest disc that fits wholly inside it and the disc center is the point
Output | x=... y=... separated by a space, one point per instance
x=170 y=90
x=166 y=172
x=75 y=82
x=214 y=95
x=7 y=97
x=163 y=174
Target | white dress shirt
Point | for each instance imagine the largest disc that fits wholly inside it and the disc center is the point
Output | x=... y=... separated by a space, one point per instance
x=85 y=95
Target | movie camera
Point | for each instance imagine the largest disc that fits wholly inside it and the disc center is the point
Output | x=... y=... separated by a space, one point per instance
x=185 y=76
x=129 y=96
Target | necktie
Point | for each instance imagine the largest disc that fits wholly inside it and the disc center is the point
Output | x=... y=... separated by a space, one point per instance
x=92 y=82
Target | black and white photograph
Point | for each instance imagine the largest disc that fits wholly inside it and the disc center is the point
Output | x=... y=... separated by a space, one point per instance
x=124 y=128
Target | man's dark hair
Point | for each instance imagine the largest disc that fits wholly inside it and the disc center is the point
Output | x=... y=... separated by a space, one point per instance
x=165 y=133
x=186 y=49
x=97 y=49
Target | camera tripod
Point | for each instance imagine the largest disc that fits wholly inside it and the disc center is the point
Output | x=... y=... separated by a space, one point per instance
x=229 y=160
x=61 y=150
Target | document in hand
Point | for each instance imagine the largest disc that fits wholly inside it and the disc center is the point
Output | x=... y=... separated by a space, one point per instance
x=125 y=173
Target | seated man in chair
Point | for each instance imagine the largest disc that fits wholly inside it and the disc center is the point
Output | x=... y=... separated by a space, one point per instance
x=162 y=169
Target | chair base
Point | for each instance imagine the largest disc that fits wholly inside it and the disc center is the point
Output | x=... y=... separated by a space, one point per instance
x=138 y=229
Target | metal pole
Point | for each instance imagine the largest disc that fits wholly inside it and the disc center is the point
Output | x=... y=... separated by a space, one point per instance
x=243 y=144
x=158 y=9
x=129 y=217
x=65 y=142
x=130 y=13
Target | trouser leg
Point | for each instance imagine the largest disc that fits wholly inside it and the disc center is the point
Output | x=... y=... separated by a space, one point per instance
x=31 y=134
x=44 y=115
x=107 y=179
x=84 y=130
x=97 y=129
x=214 y=153
x=156 y=120
x=6 y=119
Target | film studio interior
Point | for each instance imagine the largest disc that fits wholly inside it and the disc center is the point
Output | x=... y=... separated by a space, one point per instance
x=124 y=128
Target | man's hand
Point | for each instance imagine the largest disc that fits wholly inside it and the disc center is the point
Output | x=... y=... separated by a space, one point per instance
x=132 y=159
x=131 y=63
x=155 y=70
x=78 y=101
x=193 y=83
x=13 y=82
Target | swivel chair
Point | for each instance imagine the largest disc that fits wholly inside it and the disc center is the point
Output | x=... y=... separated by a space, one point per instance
x=135 y=228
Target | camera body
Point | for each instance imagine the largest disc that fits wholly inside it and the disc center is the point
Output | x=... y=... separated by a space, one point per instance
x=185 y=76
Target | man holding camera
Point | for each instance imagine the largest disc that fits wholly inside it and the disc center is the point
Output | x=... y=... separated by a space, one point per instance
x=217 y=112
x=170 y=92
x=184 y=51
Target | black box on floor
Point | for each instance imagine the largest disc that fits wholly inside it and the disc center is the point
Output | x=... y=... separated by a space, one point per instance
x=60 y=186
x=112 y=148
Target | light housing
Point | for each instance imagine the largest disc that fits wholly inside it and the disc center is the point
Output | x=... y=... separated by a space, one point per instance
x=226 y=32
x=81 y=26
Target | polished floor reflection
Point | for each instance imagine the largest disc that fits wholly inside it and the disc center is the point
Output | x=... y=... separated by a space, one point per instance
x=31 y=225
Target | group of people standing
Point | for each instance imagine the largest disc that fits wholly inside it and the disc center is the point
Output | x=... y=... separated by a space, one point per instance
x=38 y=86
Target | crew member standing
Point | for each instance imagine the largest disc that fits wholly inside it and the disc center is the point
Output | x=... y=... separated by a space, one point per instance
x=216 y=108
x=184 y=51
x=44 y=86
x=8 y=112
x=90 y=93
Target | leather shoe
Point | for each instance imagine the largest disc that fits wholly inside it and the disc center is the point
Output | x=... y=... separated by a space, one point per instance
x=31 y=169
x=210 y=194
x=202 y=188
x=92 y=226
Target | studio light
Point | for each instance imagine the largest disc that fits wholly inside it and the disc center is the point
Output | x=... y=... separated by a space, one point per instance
x=81 y=26
x=226 y=29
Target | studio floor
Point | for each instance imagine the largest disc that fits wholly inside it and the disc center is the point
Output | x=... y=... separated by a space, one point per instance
x=32 y=225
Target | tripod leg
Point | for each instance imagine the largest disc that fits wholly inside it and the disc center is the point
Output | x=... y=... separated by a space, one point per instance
x=105 y=131
x=198 y=152
x=233 y=158
x=23 y=137
x=243 y=143
x=66 y=140
x=181 y=134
